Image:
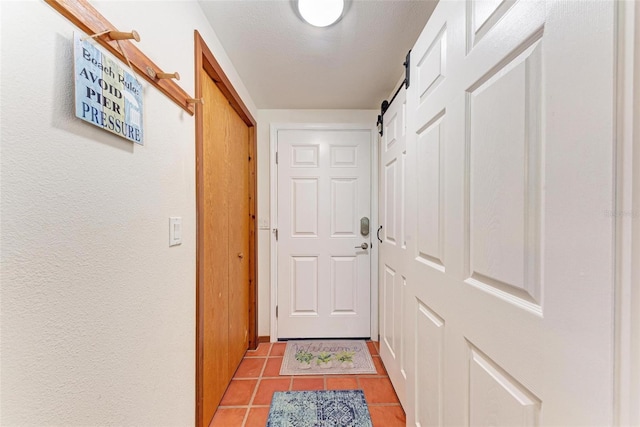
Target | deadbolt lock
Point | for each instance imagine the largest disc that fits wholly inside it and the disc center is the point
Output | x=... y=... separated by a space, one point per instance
x=364 y=226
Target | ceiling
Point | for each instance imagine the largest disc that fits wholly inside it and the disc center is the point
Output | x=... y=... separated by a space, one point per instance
x=288 y=64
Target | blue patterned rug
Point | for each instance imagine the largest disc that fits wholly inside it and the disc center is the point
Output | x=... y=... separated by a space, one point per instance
x=327 y=408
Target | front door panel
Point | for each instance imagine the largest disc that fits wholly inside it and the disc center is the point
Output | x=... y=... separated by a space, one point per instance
x=323 y=193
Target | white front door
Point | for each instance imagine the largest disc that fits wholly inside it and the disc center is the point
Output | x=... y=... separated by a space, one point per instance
x=393 y=250
x=323 y=286
x=509 y=264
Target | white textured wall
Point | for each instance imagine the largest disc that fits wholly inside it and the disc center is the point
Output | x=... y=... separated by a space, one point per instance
x=97 y=312
x=265 y=118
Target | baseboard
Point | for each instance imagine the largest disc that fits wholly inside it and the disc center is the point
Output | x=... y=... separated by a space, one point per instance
x=264 y=339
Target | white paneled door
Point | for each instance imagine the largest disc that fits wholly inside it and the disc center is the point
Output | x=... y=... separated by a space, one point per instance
x=393 y=250
x=500 y=308
x=323 y=261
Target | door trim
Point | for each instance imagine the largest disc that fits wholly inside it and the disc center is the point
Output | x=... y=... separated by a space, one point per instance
x=627 y=216
x=273 y=213
x=205 y=60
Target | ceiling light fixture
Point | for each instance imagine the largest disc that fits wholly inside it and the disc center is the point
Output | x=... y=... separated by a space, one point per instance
x=320 y=13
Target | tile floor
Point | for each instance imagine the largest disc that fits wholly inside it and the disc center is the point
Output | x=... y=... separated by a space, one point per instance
x=246 y=402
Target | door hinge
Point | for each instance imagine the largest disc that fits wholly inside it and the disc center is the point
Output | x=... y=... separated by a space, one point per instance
x=275 y=231
x=276 y=311
x=276 y=157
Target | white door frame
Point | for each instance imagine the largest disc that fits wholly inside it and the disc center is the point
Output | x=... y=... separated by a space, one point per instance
x=273 y=213
x=627 y=217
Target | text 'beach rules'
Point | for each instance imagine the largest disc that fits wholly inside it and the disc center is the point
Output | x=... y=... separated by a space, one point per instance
x=107 y=94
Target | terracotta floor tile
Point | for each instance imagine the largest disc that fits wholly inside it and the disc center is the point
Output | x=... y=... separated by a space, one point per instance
x=250 y=377
x=257 y=417
x=379 y=365
x=308 y=383
x=387 y=416
x=267 y=387
x=277 y=349
x=238 y=393
x=250 y=368
x=378 y=390
x=228 y=417
x=372 y=348
x=342 y=383
x=262 y=350
x=273 y=367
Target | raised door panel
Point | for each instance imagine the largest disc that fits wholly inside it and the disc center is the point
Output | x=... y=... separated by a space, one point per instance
x=304 y=207
x=390 y=202
x=432 y=65
x=344 y=290
x=391 y=128
x=482 y=16
x=344 y=156
x=504 y=142
x=304 y=155
x=344 y=207
x=393 y=324
x=304 y=286
x=496 y=398
x=388 y=310
x=429 y=366
x=431 y=193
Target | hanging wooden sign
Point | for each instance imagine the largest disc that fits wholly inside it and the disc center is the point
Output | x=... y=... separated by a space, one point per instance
x=108 y=95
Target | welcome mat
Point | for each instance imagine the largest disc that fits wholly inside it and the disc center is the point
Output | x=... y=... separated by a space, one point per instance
x=325 y=408
x=327 y=357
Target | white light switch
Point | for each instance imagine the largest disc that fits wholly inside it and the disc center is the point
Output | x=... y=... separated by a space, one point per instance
x=263 y=223
x=175 y=230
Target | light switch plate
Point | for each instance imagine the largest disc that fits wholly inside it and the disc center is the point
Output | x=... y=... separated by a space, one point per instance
x=175 y=230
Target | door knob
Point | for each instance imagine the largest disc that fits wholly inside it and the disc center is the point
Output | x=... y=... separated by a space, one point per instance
x=365 y=245
x=240 y=255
